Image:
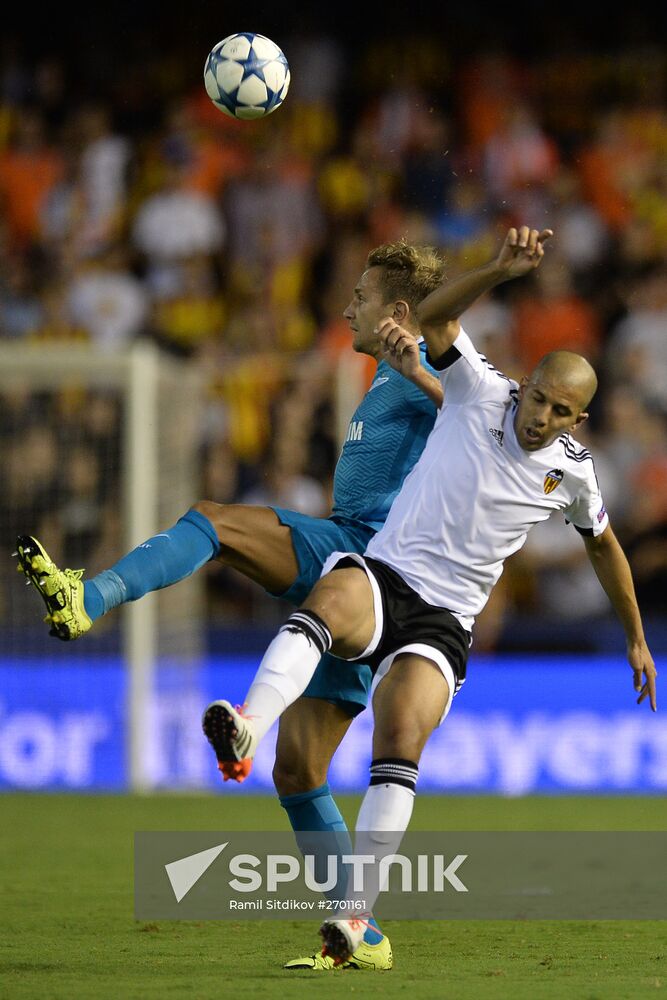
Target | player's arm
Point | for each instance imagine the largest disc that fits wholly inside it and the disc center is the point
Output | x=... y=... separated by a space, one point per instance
x=613 y=572
x=439 y=312
x=405 y=357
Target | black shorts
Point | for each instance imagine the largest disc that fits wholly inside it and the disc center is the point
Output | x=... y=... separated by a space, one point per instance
x=408 y=621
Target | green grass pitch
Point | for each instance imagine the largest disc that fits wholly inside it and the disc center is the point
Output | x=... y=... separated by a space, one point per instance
x=68 y=929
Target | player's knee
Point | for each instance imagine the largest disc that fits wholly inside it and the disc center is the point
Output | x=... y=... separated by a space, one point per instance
x=293 y=774
x=400 y=737
x=225 y=523
x=214 y=512
x=344 y=601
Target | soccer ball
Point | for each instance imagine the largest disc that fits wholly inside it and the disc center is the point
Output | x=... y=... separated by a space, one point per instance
x=246 y=76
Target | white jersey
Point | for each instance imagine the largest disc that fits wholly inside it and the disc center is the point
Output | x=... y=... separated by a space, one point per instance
x=474 y=493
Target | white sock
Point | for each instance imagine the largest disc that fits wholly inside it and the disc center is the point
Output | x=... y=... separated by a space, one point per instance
x=383 y=819
x=387 y=808
x=264 y=705
x=285 y=671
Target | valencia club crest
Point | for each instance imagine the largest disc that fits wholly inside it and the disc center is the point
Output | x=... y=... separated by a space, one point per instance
x=552 y=479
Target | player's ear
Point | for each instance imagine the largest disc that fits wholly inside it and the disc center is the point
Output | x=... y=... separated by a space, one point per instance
x=581 y=419
x=401 y=312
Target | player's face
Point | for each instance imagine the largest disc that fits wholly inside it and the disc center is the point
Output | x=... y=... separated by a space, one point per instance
x=547 y=408
x=366 y=312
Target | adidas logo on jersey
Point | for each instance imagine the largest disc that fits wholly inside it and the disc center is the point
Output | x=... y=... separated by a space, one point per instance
x=497 y=435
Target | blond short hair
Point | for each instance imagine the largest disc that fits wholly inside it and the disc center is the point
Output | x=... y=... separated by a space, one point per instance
x=409 y=272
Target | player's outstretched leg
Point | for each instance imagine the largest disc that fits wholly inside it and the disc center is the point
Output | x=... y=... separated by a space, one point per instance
x=250 y=539
x=73 y=605
x=61 y=589
x=232 y=737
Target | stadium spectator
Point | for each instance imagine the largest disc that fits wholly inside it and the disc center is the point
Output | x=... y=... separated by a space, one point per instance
x=552 y=316
x=107 y=300
x=191 y=315
x=57 y=323
x=104 y=175
x=173 y=224
x=208 y=163
x=488 y=84
x=605 y=165
x=30 y=166
x=21 y=307
x=637 y=343
x=519 y=161
x=463 y=223
x=273 y=212
x=584 y=239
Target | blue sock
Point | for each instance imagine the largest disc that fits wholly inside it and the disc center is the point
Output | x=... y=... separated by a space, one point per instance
x=166 y=558
x=317 y=811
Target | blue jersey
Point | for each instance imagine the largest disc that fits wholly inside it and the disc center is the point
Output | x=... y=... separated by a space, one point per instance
x=385 y=438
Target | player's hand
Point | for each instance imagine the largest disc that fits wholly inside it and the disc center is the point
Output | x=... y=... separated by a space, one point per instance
x=522 y=250
x=644 y=673
x=399 y=348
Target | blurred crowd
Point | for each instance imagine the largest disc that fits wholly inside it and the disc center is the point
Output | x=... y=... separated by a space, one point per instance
x=146 y=213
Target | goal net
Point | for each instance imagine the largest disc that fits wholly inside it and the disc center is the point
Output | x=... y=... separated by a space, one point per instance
x=98 y=453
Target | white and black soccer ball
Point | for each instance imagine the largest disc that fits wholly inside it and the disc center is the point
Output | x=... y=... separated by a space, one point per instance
x=246 y=75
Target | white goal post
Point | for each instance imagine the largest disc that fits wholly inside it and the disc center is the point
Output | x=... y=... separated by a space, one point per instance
x=159 y=401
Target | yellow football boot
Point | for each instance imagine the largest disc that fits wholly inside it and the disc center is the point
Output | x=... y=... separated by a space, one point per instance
x=61 y=589
x=373 y=957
